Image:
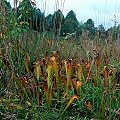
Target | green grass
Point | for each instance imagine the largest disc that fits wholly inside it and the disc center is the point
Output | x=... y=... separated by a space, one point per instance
x=14 y=94
x=36 y=82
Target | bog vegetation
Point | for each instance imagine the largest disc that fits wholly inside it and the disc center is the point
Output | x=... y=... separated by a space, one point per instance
x=55 y=68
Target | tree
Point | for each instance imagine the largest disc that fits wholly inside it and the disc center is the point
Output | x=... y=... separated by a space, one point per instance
x=5 y=8
x=71 y=15
x=89 y=25
x=54 y=22
x=30 y=14
x=71 y=24
x=49 y=22
x=58 y=21
x=101 y=29
x=79 y=29
x=5 y=14
x=38 y=19
x=113 y=33
x=24 y=12
x=7 y=4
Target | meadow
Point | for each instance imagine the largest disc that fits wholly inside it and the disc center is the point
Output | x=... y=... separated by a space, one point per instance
x=48 y=77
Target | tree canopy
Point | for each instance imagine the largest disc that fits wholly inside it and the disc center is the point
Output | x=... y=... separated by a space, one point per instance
x=56 y=22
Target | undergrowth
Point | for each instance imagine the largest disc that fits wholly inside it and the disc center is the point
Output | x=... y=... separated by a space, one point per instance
x=44 y=78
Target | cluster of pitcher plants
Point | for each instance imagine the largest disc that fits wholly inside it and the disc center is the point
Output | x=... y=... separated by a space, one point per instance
x=52 y=78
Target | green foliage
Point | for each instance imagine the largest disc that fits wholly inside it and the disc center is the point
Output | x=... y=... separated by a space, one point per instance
x=101 y=29
x=7 y=4
x=70 y=26
x=89 y=26
x=31 y=15
x=28 y=60
x=71 y=15
x=49 y=23
x=57 y=23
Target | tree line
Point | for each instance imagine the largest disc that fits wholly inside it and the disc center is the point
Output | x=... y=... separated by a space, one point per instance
x=57 y=23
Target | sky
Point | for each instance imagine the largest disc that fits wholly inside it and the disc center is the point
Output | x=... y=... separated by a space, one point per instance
x=100 y=11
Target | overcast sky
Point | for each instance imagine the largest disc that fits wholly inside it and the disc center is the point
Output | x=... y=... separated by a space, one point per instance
x=100 y=11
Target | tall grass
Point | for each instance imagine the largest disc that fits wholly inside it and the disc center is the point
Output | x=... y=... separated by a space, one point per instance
x=42 y=78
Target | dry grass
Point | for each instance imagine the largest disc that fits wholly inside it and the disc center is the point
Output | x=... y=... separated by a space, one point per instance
x=43 y=78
